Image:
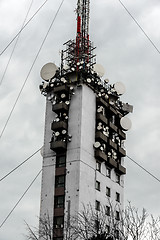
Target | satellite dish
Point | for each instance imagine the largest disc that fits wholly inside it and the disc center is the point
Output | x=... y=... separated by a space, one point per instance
x=99 y=69
x=64 y=132
x=106 y=133
x=100 y=109
x=57 y=119
x=88 y=80
x=42 y=151
x=106 y=80
x=48 y=71
x=99 y=127
x=65 y=67
x=67 y=102
x=45 y=85
x=111 y=101
x=57 y=134
x=63 y=95
x=97 y=144
x=106 y=96
x=63 y=80
x=119 y=88
x=126 y=123
x=102 y=90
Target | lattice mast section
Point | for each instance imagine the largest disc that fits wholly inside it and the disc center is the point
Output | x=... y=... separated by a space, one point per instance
x=79 y=53
x=82 y=39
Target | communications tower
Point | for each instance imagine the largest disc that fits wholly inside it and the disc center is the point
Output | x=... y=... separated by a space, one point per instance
x=85 y=124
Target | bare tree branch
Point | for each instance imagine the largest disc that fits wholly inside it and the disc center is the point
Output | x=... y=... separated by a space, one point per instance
x=90 y=224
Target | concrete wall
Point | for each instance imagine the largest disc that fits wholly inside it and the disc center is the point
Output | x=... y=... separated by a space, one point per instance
x=81 y=173
x=81 y=164
x=48 y=173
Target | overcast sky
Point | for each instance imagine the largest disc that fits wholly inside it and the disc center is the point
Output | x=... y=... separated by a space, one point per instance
x=126 y=55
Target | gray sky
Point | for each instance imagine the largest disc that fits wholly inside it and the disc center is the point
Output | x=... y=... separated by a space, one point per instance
x=126 y=55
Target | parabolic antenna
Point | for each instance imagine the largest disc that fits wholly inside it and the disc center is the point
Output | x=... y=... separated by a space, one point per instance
x=65 y=67
x=125 y=123
x=97 y=144
x=106 y=80
x=99 y=69
x=119 y=88
x=48 y=71
x=42 y=150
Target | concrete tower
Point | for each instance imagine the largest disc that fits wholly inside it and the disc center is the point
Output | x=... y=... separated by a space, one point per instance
x=83 y=153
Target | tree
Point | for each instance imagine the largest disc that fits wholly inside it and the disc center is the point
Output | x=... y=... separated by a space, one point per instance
x=44 y=232
x=90 y=224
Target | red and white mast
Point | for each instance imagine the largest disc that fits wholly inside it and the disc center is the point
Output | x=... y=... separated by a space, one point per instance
x=82 y=38
x=78 y=55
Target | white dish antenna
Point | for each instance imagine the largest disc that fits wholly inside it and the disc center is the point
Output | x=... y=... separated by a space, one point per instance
x=67 y=102
x=63 y=95
x=97 y=144
x=64 y=132
x=48 y=71
x=63 y=80
x=57 y=134
x=42 y=151
x=119 y=88
x=89 y=80
x=99 y=69
x=125 y=123
x=106 y=80
x=65 y=67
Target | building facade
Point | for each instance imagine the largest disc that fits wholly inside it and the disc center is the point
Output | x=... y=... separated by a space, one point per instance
x=85 y=124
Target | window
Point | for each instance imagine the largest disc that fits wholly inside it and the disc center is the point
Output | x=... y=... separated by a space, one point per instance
x=97 y=224
x=97 y=205
x=108 y=172
x=107 y=210
x=108 y=191
x=97 y=185
x=118 y=178
x=98 y=166
x=59 y=202
x=61 y=161
x=117 y=215
x=60 y=181
x=116 y=234
x=58 y=222
x=113 y=119
x=117 y=197
x=107 y=229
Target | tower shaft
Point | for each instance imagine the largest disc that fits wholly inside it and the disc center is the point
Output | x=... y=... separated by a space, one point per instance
x=83 y=153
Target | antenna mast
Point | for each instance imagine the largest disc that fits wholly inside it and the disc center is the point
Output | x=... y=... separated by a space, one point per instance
x=79 y=53
x=82 y=39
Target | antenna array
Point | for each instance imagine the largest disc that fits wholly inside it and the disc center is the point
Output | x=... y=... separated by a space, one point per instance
x=79 y=53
